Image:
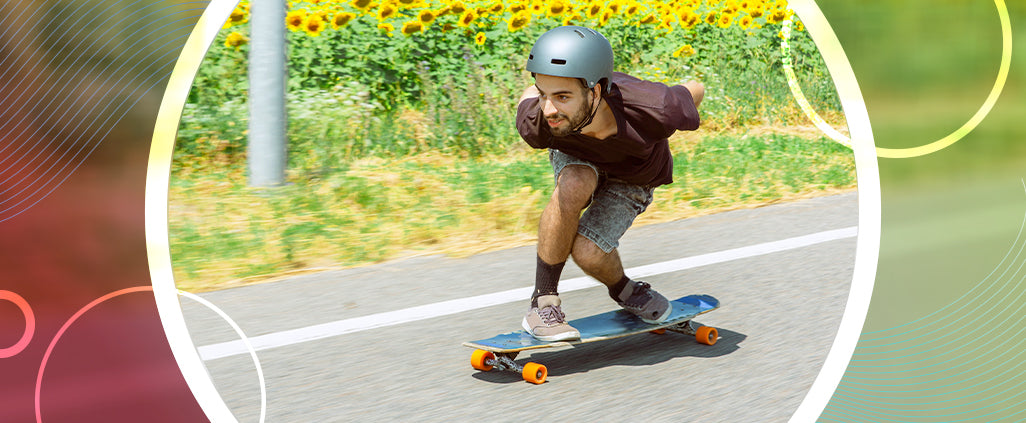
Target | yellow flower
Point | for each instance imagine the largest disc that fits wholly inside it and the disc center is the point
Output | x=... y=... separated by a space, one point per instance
x=480 y=38
x=649 y=19
x=725 y=20
x=777 y=17
x=569 y=18
x=313 y=25
x=606 y=16
x=594 y=8
x=689 y=19
x=684 y=51
x=457 y=7
x=426 y=17
x=519 y=21
x=411 y=27
x=363 y=5
x=557 y=8
x=497 y=8
x=386 y=11
x=711 y=18
x=468 y=18
x=632 y=9
x=799 y=26
x=342 y=19
x=745 y=22
x=239 y=15
x=236 y=40
x=516 y=8
x=294 y=19
x=387 y=28
x=756 y=11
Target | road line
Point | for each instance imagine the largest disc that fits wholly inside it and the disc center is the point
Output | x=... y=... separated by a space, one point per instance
x=445 y=308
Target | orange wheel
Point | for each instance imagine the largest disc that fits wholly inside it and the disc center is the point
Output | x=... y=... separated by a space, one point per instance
x=659 y=331
x=535 y=373
x=480 y=359
x=706 y=335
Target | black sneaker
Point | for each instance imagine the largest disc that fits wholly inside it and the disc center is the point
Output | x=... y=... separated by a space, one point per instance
x=640 y=299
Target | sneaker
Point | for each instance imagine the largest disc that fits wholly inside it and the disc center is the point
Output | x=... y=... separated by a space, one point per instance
x=547 y=321
x=640 y=299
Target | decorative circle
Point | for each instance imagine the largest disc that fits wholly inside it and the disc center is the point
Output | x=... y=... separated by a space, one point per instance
x=30 y=324
x=64 y=328
x=796 y=90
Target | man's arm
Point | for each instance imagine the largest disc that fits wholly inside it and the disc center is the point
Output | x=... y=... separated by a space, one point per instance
x=697 y=91
x=530 y=92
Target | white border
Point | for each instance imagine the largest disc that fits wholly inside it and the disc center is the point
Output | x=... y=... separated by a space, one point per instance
x=867 y=250
x=158 y=175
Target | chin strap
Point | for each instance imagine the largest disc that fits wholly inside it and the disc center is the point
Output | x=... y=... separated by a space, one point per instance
x=594 y=111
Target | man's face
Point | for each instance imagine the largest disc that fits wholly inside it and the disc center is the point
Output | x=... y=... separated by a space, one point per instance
x=564 y=102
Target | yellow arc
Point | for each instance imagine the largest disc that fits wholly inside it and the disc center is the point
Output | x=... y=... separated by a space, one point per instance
x=995 y=92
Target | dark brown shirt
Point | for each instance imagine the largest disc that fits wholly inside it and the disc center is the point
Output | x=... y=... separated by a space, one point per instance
x=646 y=113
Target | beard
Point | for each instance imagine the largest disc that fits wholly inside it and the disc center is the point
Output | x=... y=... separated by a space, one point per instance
x=569 y=123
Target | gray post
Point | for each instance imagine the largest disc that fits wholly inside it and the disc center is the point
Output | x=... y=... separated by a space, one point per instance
x=267 y=73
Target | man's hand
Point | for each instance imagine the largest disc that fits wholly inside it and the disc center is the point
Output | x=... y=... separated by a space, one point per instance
x=697 y=91
x=530 y=92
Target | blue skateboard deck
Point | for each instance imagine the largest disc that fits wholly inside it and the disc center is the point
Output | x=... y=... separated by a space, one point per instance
x=609 y=325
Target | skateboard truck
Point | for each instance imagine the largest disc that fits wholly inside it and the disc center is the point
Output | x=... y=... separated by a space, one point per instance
x=487 y=360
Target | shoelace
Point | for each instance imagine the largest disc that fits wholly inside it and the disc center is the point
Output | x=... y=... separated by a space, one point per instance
x=551 y=315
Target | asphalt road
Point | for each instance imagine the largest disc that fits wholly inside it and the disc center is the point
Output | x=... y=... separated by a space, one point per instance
x=779 y=316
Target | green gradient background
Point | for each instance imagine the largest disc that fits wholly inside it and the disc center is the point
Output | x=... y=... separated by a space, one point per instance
x=948 y=219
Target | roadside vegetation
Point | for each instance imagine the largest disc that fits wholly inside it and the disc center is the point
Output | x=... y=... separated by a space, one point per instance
x=401 y=137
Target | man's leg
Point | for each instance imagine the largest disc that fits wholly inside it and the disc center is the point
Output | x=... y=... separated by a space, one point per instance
x=556 y=232
x=558 y=226
x=616 y=205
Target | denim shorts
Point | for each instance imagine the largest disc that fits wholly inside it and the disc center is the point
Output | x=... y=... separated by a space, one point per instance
x=614 y=204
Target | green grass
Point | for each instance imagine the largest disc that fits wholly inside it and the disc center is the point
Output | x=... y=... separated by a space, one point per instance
x=369 y=210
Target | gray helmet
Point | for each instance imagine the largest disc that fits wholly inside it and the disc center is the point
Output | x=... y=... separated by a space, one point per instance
x=574 y=52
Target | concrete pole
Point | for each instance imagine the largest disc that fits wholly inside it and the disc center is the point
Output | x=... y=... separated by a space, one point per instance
x=267 y=75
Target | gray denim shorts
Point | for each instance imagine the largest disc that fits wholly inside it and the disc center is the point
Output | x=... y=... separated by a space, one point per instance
x=614 y=204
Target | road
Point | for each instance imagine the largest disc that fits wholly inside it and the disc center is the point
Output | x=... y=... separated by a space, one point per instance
x=780 y=313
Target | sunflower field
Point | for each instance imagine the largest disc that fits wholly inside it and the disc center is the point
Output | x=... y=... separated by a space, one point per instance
x=451 y=70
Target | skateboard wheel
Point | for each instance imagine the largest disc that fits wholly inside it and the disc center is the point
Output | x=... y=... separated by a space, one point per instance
x=706 y=335
x=479 y=360
x=659 y=331
x=535 y=373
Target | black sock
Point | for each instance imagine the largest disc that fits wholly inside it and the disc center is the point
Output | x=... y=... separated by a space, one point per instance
x=617 y=288
x=546 y=280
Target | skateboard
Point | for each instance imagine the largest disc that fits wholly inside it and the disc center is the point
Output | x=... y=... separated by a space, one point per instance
x=498 y=352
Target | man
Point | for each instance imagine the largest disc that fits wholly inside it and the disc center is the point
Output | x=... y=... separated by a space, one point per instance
x=607 y=138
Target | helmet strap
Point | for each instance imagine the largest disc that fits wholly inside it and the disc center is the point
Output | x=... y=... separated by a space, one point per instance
x=594 y=111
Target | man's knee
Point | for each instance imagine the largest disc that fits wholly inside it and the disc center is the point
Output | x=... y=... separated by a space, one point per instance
x=575 y=186
x=586 y=254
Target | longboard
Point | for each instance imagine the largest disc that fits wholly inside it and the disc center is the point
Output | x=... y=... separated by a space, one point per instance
x=499 y=351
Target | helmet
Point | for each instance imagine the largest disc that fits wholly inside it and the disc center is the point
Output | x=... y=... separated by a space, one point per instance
x=573 y=52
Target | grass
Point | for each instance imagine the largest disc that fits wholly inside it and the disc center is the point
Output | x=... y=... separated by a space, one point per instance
x=369 y=210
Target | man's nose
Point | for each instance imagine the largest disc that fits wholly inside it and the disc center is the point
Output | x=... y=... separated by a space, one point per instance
x=548 y=108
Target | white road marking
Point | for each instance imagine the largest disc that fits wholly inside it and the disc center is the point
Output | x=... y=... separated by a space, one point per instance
x=444 y=308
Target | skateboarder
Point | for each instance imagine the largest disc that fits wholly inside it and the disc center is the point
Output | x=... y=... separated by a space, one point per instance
x=607 y=138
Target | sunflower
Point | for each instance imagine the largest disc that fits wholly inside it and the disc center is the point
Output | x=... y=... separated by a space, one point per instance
x=594 y=8
x=711 y=18
x=387 y=28
x=777 y=17
x=649 y=19
x=363 y=5
x=342 y=19
x=756 y=11
x=480 y=38
x=239 y=15
x=457 y=8
x=684 y=51
x=632 y=9
x=294 y=19
x=606 y=16
x=426 y=17
x=725 y=20
x=518 y=21
x=387 y=10
x=236 y=40
x=689 y=19
x=557 y=8
x=313 y=25
x=497 y=8
x=745 y=22
x=411 y=27
x=468 y=18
